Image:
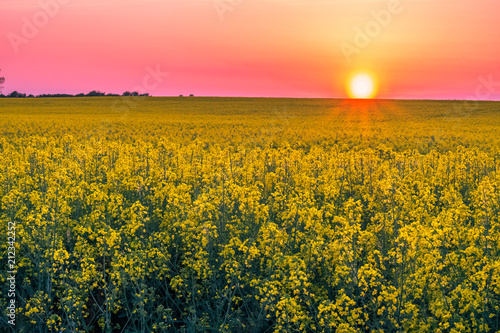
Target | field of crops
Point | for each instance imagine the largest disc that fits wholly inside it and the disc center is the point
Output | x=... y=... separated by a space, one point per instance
x=250 y=215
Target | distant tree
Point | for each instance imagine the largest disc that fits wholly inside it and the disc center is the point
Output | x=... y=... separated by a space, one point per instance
x=126 y=93
x=2 y=81
x=134 y=93
x=95 y=93
x=80 y=95
x=31 y=95
x=16 y=94
x=145 y=94
x=191 y=95
x=110 y=94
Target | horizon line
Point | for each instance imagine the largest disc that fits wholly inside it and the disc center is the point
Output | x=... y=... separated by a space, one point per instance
x=263 y=97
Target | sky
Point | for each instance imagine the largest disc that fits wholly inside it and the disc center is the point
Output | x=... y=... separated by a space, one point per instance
x=414 y=49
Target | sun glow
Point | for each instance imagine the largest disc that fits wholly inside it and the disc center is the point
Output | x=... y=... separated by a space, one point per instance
x=361 y=86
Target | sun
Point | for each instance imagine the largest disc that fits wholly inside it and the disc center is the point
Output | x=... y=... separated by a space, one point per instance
x=362 y=85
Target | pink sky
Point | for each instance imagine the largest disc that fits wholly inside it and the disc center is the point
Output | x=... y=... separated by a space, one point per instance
x=426 y=49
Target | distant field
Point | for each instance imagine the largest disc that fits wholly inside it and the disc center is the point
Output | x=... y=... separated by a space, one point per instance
x=253 y=215
x=421 y=125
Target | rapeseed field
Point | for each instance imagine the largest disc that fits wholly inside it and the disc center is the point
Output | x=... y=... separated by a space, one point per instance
x=251 y=215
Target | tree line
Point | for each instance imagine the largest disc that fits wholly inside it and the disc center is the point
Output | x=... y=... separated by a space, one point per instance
x=93 y=93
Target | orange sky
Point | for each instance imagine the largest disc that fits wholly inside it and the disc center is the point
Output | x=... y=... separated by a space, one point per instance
x=417 y=48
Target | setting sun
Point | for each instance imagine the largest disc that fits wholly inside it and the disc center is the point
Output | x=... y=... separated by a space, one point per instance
x=361 y=86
